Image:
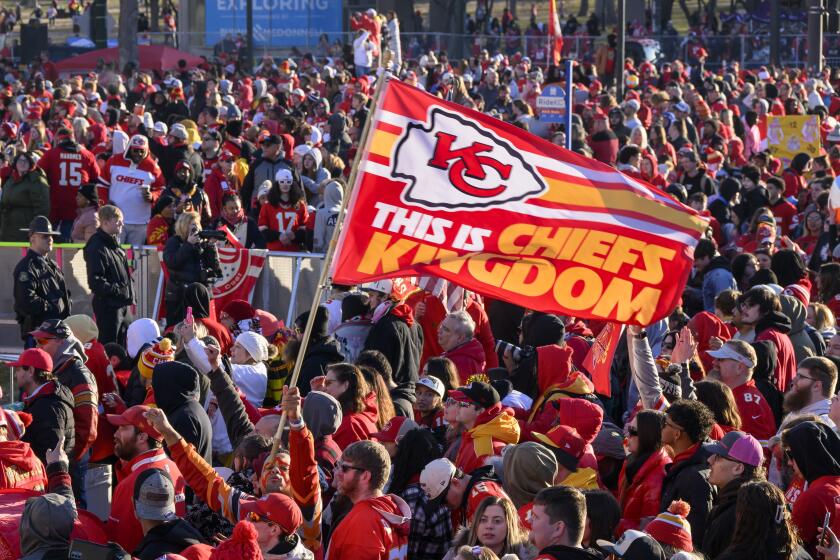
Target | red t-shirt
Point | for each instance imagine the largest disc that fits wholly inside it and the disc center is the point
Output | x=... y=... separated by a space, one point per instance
x=756 y=417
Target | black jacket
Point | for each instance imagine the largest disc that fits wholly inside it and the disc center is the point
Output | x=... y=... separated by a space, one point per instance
x=40 y=292
x=184 y=262
x=107 y=271
x=402 y=345
x=689 y=481
x=560 y=552
x=171 y=537
x=403 y=398
x=263 y=169
x=721 y=521
x=52 y=416
x=319 y=355
x=176 y=393
x=168 y=156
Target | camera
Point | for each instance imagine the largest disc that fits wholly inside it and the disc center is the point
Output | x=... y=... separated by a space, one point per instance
x=502 y=348
x=212 y=234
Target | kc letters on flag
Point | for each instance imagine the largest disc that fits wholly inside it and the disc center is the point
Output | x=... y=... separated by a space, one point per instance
x=450 y=192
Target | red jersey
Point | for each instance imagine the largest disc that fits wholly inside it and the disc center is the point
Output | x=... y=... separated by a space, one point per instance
x=375 y=529
x=67 y=169
x=756 y=417
x=786 y=216
x=283 y=219
x=432 y=421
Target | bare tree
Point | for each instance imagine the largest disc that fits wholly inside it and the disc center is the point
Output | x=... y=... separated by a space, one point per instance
x=129 y=14
x=447 y=16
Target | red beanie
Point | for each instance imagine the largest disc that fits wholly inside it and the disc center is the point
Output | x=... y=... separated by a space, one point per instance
x=671 y=527
x=239 y=310
x=241 y=545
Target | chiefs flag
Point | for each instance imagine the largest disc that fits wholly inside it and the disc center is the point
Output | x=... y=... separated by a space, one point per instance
x=447 y=191
x=555 y=34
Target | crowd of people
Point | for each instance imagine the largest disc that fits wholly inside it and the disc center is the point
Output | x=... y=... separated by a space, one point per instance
x=414 y=430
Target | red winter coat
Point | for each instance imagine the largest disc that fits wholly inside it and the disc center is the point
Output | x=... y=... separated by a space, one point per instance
x=641 y=497
x=357 y=426
x=20 y=468
x=468 y=359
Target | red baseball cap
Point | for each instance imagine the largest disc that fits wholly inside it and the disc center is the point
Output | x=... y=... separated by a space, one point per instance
x=281 y=510
x=34 y=358
x=565 y=443
x=136 y=416
x=394 y=430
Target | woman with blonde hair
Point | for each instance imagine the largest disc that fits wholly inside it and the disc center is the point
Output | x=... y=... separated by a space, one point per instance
x=496 y=526
x=822 y=319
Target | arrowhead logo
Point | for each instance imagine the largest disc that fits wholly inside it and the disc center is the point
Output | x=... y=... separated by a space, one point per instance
x=454 y=164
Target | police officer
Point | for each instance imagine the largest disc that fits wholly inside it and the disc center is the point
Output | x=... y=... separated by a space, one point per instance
x=40 y=291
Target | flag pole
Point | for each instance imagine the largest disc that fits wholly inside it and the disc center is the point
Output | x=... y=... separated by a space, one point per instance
x=364 y=145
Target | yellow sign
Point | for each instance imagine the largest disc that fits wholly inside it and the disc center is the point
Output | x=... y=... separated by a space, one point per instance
x=791 y=135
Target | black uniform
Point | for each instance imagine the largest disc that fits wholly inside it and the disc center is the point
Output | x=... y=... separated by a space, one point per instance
x=110 y=282
x=40 y=292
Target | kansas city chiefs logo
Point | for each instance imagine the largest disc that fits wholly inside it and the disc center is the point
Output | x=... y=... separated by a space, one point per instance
x=455 y=164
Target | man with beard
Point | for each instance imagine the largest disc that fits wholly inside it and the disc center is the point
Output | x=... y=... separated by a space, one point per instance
x=811 y=390
x=132 y=182
x=760 y=307
x=378 y=524
x=138 y=446
x=275 y=479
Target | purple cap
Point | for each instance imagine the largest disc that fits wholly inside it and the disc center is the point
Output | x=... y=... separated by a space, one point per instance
x=738 y=446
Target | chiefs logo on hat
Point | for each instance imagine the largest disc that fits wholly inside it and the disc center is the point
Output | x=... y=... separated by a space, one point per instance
x=461 y=165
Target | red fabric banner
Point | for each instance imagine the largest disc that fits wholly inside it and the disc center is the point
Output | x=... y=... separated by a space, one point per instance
x=447 y=191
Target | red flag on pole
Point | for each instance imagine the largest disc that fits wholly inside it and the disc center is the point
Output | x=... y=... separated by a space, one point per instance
x=446 y=191
x=599 y=359
x=555 y=34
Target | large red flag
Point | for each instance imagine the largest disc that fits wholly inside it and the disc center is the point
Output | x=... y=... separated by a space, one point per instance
x=599 y=359
x=447 y=191
x=555 y=34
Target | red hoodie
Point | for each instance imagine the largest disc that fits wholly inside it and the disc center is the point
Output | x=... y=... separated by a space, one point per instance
x=356 y=426
x=20 y=468
x=375 y=529
x=468 y=359
x=704 y=326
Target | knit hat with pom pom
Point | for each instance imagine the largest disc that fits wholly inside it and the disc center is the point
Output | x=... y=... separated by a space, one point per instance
x=161 y=351
x=242 y=544
x=671 y=527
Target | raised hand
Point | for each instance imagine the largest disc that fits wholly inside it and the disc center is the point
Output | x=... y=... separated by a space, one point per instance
x=57 y=454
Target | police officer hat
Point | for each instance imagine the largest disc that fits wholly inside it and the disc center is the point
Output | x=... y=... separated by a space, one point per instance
x=42 y=225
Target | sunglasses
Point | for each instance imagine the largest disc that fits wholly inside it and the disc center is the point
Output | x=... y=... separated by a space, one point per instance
x=257 y=518
x=632 y=432
x=345 y=467
x=43 y=341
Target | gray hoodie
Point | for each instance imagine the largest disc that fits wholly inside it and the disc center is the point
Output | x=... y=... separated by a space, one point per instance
x=321 y=413
x=326 y=216
x=803 y=346
x=45 y=527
